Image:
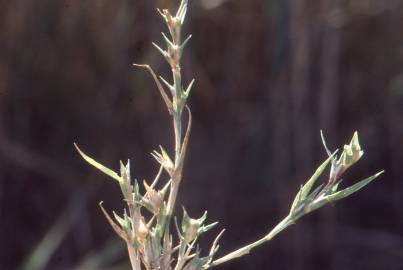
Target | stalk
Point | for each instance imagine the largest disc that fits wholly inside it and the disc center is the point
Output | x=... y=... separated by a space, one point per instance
x=173 y=55
x=177 y=123
x=287 y=221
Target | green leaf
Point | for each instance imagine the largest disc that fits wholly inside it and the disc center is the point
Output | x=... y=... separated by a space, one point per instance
x=187 y=91
x=136 y=191
x=192 y=228
x=181 y=13
x=355 y=144
x=305 y=189
x=315 y=193
x=335 y=187
x=185 y=220
x=352 y=189
x=164 y=96
x=183 y=45
x=297 y=200
x=125 y=184
x=99 y=166
x=206 y=228
x=123 y=222
x=324 y=143
x=308 y=186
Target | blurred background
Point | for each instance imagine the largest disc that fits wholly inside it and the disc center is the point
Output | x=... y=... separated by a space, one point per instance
x=269 y=75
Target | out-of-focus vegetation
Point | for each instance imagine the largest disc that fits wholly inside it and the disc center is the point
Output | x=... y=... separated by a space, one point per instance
x=270 y=75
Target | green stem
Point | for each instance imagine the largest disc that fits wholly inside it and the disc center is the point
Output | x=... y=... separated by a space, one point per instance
x=287 y=221
x=177 y=123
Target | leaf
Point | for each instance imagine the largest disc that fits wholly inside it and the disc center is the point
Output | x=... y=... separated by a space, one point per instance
x=164 y=160
x=167 y=40
x=308 y=186
x=115 y=227
x=192 y=228
x=181 y=13
x=305 y=189
x=123 y=222
x=99 y=166
x=206 y=228
x=170 y=87
x=185 y=220
x=335 y=187
x=355 y=144
x=187 y=91
x=125 y=184
x=215 y=246
x=314 y=193
x=183 y=45
x=296 y=201
x=352 y=189
x=324 y=143
x=136 y=192
x=164 y=53
x=164 y=95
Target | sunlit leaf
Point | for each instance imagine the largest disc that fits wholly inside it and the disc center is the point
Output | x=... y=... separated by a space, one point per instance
x=99 y=166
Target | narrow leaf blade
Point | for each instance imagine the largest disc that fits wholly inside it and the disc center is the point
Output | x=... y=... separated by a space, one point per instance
x=308 y=186
x=99 y=166
x=306 y=189
x=352 y=189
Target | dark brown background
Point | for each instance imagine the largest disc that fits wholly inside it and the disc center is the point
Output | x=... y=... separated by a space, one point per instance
x=269 y=75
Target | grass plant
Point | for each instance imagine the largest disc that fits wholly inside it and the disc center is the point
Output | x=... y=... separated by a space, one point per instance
x=149 y=237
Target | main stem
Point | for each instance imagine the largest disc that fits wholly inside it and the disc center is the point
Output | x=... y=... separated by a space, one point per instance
x=177 y=115
x=177 y=121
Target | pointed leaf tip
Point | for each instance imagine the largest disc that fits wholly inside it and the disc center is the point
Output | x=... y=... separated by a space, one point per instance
x=352 y=189
x=308 y=186
x=159 y=86
x=380 y=173
x=99 y=166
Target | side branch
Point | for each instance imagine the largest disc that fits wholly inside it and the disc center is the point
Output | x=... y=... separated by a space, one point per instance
x=246 y=249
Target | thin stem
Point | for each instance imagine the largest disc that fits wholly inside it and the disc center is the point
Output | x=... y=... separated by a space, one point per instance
x=178 y=104
x=177 y=119
x=287 y=221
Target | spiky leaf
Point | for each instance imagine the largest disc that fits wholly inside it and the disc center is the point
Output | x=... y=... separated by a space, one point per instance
x=352 y=189
x=99 y=166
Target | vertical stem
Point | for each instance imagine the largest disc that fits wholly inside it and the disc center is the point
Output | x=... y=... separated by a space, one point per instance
x=178 y=137
x=177 y=117
x=177 y=120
